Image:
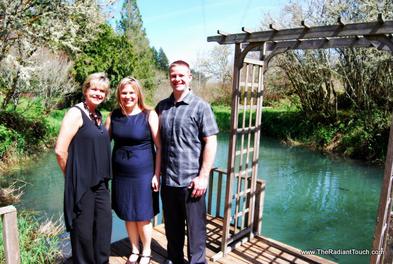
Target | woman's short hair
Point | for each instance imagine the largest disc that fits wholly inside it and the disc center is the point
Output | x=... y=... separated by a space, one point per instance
x=98 y=80
x=137 y=88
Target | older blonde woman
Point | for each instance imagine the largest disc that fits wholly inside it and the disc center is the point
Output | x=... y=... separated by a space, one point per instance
x=83 y=154
x=136 y=166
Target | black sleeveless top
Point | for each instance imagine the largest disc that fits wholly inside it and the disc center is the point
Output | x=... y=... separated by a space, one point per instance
x=88 y=164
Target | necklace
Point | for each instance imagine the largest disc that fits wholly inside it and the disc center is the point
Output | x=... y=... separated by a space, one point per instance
x=96 y=118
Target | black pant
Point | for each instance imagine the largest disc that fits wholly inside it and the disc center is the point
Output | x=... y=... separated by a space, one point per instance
x=92 y=227
x=180 y=209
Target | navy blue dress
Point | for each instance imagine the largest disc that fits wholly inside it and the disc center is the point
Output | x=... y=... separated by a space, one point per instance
x=133 y=167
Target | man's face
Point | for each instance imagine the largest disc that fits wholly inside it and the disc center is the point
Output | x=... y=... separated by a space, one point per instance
x=180 y=78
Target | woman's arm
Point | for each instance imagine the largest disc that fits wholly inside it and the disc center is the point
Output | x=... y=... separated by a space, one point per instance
x=155 y=133
x=108 y=124
x=72 y=121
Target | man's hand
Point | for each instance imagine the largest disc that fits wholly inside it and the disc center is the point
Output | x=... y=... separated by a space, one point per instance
x=155 y=183
x=199 y=186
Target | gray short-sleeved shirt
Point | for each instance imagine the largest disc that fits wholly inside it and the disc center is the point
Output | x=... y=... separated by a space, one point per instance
x=183 y=125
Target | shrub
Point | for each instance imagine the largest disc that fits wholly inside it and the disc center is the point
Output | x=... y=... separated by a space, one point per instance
x=33 y=130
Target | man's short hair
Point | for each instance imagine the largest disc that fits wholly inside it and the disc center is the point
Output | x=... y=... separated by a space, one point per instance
x=178 y=63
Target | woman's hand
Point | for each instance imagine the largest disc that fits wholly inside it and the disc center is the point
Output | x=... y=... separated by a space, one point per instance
x=155 y=183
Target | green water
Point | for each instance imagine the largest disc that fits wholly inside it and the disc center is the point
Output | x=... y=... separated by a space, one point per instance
x=312 y=201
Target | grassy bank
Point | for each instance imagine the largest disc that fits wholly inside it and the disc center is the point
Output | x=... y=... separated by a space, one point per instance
x=38 y=242
x=363 y=138
x=25 y=134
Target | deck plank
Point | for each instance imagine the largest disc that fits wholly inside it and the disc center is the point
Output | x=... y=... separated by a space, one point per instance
x=259 y=250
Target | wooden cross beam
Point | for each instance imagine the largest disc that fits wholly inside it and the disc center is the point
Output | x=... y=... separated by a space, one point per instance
x=340 y=30
x=327 y=43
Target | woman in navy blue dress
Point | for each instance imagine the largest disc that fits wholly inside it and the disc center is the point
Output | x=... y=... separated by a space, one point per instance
x=136 y=159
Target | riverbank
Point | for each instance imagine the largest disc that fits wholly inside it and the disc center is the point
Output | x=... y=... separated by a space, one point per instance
x=363 y=139
x=25 y=133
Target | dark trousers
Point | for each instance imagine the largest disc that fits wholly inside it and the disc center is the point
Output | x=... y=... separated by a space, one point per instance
x=92 y=227
x=180 y=210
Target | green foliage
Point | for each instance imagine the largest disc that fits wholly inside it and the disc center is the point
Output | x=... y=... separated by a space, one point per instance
x=54 y=120
x=367 y=136
x=25 y=130
x=363 y=138
x=223 y=116
x=114 y=54
x=131 y=27
x=110 y=53
x=7 y=140
x=35 y=246
x=161 y=60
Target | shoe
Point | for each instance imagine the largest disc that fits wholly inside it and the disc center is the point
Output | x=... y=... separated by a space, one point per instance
x=133 y=262
x=145 y=257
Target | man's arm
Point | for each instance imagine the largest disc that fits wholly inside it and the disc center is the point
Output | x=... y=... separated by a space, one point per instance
x=200 y=183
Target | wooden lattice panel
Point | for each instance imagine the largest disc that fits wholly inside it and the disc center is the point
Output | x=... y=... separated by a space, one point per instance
x=244 y=151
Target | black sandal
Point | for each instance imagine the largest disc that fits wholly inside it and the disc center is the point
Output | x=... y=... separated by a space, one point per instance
x=133 y=262
x=142 y=256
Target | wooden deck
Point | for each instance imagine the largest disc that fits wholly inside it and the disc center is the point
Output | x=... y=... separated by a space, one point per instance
x=258 y=250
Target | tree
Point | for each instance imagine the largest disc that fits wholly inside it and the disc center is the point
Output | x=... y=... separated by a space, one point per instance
x=162 y=60
x=51 y=79
x=349 y=78
x=311 y=79
x=114 y=54
x=155 y=55
x=131 y=26
x=216 y=66
x=28 y=26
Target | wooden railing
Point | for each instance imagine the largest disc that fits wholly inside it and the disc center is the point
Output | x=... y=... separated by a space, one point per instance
x=216 y=191
x=217 y=202
x=10 y=234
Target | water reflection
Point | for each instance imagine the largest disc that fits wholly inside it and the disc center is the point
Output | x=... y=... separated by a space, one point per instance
x=316 y=201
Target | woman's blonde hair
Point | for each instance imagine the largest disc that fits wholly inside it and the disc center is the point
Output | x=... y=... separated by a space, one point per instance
x=138 y=90
x=99 y=80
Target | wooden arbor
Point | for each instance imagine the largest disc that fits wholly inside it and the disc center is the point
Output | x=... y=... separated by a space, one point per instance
x=247 y=98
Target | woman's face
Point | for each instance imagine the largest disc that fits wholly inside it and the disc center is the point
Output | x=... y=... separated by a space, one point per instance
x=95 y=95
x=128 y=97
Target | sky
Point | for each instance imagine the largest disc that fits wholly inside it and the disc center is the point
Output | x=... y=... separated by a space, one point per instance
x=181 y=27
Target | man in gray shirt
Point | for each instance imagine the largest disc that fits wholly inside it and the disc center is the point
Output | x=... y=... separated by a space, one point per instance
x=189 y=143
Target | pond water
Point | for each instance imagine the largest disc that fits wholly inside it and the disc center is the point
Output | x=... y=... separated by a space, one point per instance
x=312 y=201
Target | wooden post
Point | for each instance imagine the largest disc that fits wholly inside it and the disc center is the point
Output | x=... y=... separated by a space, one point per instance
x=259 y=203
x=210 y=192
x=10 y=234
x=232 y=150
x=384 y=208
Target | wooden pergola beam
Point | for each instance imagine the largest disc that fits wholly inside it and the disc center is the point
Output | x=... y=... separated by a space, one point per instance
x=320 y=32
x=351 y=42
